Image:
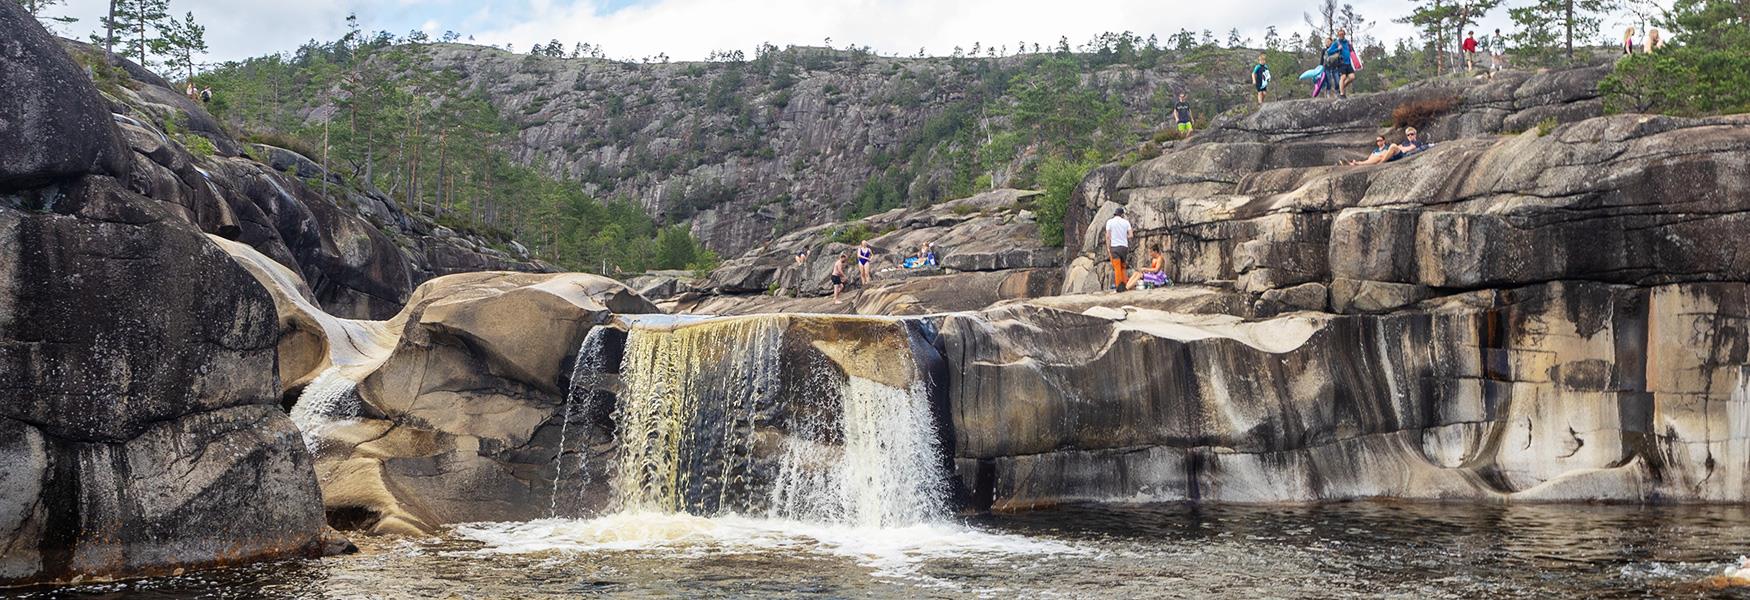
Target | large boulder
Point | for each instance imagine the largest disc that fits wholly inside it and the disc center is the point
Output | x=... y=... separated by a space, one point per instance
x=52 y=122
x=141 y=407
x=450 y=411
x=139 y=426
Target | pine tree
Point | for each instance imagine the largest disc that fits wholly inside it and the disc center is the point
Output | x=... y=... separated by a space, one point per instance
x=137 y=24
x=1544 y=22
x=186 y=41
x=37 y=8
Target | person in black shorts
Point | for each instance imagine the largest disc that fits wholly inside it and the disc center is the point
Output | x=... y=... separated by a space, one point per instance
x=838 y=277
x=1344 y=52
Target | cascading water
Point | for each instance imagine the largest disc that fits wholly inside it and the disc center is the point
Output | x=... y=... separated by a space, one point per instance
x=328 y=401
x=769 y=434
x=737 y=417
x=587 y=379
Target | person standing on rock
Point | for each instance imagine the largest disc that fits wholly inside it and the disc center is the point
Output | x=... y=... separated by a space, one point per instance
x=865 y=255
x=1469 y=46
x=1345 y=54
x=1261 y=78
x=1497 y=53
x=838 y=278
x=1118 y=246
x=1182 y=114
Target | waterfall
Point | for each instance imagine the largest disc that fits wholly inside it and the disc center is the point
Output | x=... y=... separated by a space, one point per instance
x=328 y=401
x=751 y=416
x=587 y=379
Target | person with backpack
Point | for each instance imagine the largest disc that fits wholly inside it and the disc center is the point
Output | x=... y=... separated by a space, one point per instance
x=206 y=95
x=1261 y=78
x=1342 y=54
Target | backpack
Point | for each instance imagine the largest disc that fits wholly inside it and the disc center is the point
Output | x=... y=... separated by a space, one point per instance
x=206 y=95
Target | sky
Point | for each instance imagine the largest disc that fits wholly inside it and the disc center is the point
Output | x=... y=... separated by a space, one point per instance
x=692 y=29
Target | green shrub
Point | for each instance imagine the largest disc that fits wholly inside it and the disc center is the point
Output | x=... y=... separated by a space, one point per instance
x=963 y=209
x=197 y=145
x=1060 y=178
x=1547 y=125
x=1685 y=81
x=852 y=234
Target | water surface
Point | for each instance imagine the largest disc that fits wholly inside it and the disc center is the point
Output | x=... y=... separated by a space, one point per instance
x=1358 y=550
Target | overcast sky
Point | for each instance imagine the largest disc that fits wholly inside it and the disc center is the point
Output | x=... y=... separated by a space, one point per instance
x=691 y=29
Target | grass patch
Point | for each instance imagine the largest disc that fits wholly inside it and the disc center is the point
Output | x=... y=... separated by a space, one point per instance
x=1545 y=126
x=281 y=140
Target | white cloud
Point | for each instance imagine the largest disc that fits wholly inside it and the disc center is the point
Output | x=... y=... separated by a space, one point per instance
x=690 y=29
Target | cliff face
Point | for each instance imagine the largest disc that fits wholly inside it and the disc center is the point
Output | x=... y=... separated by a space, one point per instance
x=359 y=251
x=753 y=149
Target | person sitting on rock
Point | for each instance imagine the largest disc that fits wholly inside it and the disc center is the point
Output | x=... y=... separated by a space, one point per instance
x=1383 y=154
x=1380 y=149
x=838 y=277
x=924 y=258
x=1156 y=274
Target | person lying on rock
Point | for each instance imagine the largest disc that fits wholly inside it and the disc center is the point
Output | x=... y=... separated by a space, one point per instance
x=1156 y=274
x=1383 y=153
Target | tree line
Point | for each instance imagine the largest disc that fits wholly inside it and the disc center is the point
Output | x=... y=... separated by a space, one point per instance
x=387 y=122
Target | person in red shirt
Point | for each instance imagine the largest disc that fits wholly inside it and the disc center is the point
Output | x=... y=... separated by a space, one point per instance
x=1470 y=51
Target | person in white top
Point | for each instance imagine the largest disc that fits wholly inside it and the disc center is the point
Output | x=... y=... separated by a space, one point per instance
x=1118 y=245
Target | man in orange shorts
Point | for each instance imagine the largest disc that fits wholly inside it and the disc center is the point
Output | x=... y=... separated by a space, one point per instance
x=1118 y=246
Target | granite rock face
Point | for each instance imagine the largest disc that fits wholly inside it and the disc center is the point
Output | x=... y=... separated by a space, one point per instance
x=361 y=254
x=1254 y=201
x=139 y=431
x=1555 y=392
x=33 y=77
x=451 y=410
x=987 y=249
x=743 y=149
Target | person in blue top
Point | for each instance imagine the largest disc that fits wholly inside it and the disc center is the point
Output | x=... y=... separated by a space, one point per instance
x=1261 y=78
x=1345 y=54
x=1383 y=153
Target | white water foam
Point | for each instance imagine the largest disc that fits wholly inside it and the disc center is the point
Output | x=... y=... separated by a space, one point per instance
x=328 y=402
x=896 y=552
x=889 y=472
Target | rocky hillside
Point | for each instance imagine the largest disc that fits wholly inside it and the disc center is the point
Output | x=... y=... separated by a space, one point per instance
x=747 y=150
x=361 y=253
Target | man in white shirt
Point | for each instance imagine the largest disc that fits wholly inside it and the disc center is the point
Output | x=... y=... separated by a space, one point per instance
x=1118 y=245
